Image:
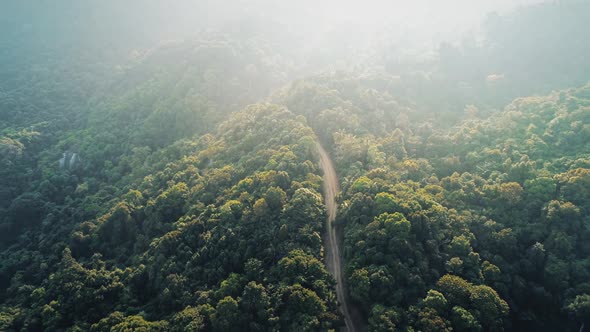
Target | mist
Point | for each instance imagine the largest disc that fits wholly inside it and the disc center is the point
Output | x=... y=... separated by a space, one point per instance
x=144 y=23
x=278 y=165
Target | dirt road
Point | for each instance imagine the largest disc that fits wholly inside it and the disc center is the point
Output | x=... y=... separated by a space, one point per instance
x=332 y=244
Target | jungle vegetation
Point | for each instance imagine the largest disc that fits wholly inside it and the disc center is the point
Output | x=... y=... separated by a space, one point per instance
x=150 y=183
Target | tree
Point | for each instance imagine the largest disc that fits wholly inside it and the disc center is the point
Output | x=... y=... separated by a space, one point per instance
x=360 y=285
x=580 y=307
x=255 y=306
x=463 y=320
x=383 y=319
x=301 y=268
x=169 y=205
x=305 y=205
x=385 y=202
x=138 y=323
x=302 y=309
x=227 y=315
x=189 y=319
x=563 y=216
x=491 y=308
x=430 y=321
x=436 y=300
x=26 y=210
x=474 y=306
x=261 y=209
x=574 y=186
x=275 y=198
x=118 y=322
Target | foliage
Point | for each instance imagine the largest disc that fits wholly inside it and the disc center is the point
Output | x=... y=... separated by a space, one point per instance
x=144 y=185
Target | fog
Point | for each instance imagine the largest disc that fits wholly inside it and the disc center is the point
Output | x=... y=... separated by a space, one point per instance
x=138 y=22
x=167 y=157
x=460 y=40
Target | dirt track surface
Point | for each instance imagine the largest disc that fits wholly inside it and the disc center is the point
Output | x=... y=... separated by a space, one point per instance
x=332 y=244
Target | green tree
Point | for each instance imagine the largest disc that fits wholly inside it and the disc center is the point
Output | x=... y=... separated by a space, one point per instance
x=580 y=307
x=227 y=315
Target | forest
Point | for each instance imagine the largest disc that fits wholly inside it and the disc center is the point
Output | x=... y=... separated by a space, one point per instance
x=160 y=171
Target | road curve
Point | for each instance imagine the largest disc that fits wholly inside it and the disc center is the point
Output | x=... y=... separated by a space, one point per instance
x=331 y=243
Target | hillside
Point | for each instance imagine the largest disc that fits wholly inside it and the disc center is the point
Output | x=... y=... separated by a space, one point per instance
x=200 y=168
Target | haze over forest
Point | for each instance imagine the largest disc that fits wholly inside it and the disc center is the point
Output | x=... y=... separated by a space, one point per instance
x=259 y=165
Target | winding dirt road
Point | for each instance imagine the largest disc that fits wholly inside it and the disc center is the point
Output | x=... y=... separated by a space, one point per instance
x=331 y=241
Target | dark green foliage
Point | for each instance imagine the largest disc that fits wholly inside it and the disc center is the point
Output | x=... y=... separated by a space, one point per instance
x=196 y=244
x=141 y=190
x=509 y=226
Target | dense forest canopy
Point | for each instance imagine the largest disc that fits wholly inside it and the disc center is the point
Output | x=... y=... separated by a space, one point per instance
x=160 y=170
